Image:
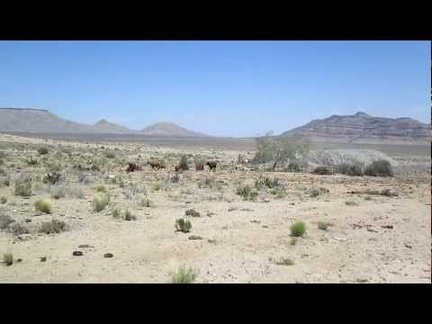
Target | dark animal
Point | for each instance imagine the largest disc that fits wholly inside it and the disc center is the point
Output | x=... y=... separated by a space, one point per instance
x=156 y=165
x=199 y=166
x=212 y=165
x=132 y=167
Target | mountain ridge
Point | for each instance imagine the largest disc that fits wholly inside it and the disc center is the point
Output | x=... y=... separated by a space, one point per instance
x=362 y=127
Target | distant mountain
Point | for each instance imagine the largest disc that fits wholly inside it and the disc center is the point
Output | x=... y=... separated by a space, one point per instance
x=38 y=121
x=104 y=126
x=30 y=120
x=170 y=129
x=363 y=128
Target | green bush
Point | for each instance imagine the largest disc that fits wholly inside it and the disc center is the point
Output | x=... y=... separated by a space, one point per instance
x=184 y=275
x=43 y=150
x=380 y=168
x=298 y=228
x=42 y=206
x=183 y=225
x=100 y=201
x=323 y=225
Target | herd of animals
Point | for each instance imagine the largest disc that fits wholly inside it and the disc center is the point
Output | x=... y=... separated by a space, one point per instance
x=157 y=165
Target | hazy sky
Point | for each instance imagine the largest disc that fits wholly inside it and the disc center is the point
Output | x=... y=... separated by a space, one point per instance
x=225 y=88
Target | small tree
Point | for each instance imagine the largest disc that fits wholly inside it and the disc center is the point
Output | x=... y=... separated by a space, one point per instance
x=281 y=151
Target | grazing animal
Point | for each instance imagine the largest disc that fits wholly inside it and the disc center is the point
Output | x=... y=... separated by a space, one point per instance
x=132 y=167
x=156 y=165
x=199 y=166
x=212 y=165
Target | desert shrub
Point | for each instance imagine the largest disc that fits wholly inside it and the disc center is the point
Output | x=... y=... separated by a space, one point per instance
x=3 y=200
x=293 y=241
x=380 y=168
x=43 y=150
x=156 y=186
x=368 y=198
x=208 y=182
x=2 y=172
x=285 y=261
x=31 y=161
x=322 y=225
x=5 y=181
x=60 y=191
x=5 y=220
x=52 y=177
x=42 y=206
x=183 y=165
x=54 y=226
x=110 y=154
x=247 y=192
x=128 y=215
x=18 y=229
x=101 y=188
x=295 y=166
x=351 y=202
x=175 y=178
x=116 y=213
x=298 y=228
x=183 y=225
x=8 y=259
x=192 y=212
x=267 y=182
x=145 y=201
x=280 y=151
x=100 y=201
x=23 y=187
x=322 y=170
x=349 y=169
x=184 y=275
x=315 y=191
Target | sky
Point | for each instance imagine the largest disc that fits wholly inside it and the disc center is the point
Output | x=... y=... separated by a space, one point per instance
x=221 y=88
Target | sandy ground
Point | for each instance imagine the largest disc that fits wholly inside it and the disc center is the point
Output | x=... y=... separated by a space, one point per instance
x=381 y=240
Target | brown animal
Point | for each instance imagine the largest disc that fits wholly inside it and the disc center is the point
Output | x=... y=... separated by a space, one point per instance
x=199 y=166
x=212 y=165
x=132 y=167
x=156 y=165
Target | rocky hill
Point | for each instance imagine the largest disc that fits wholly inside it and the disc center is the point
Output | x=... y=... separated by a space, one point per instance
x=363 y=128
x=169 y=129
x=29 y=120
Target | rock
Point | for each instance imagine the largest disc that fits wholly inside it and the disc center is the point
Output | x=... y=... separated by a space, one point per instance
x=28 y=220
x=77 y=253
x=192 y=212
x=266 y=200
x=387 y=226
x=108 y=255
x=43 y=259
x=18 y=260
x=408 y=245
